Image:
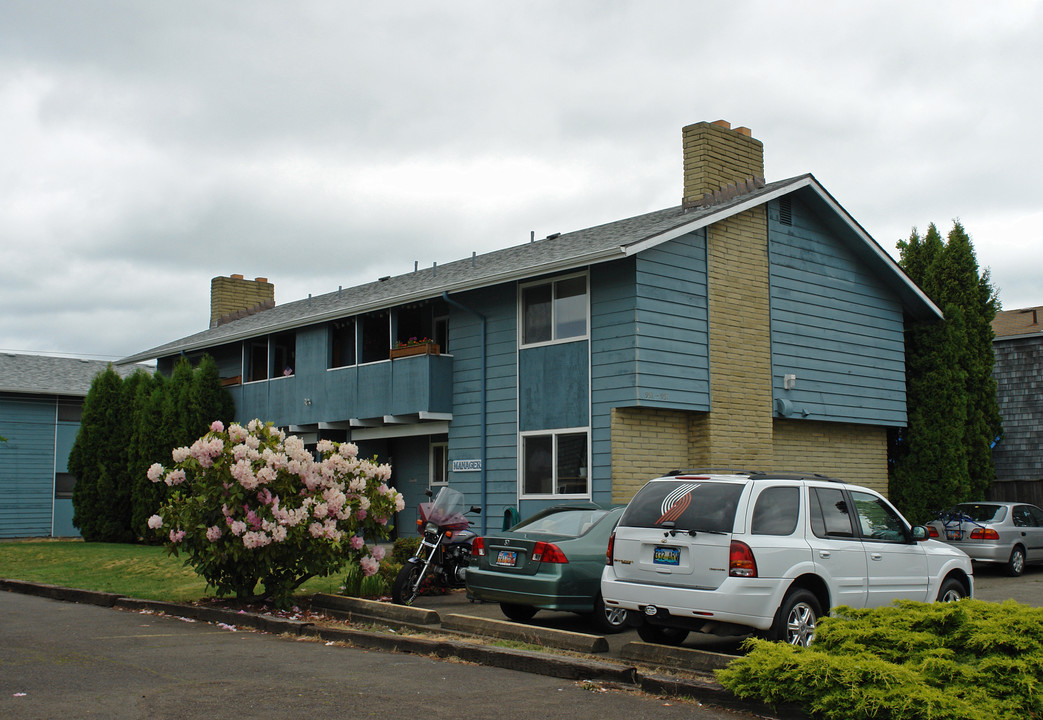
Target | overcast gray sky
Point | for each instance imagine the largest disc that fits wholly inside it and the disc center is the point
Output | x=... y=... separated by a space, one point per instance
x=147 y=147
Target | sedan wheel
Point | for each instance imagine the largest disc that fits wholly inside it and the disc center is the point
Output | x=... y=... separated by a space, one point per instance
x=1016 y=564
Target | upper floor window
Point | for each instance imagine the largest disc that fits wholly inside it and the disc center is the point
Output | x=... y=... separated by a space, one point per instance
x=554 y=310
x=376 y=336
x=342 y=342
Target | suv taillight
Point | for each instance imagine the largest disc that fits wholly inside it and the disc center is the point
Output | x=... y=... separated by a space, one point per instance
x=741 y=562
x=478 y=547
x=611 y=549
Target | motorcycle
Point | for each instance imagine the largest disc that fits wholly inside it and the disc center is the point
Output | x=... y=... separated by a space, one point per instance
x=444 y=551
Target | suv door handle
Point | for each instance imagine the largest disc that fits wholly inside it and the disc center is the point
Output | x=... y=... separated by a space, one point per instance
x=823 y=553
x=876 y=556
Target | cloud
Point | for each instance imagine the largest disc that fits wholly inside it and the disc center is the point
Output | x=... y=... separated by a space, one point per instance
x=323 y=143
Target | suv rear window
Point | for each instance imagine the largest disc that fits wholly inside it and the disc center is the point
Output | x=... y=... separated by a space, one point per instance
x=688 y=503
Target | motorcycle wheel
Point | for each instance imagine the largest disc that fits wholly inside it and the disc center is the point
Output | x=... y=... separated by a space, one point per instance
x=406 y=587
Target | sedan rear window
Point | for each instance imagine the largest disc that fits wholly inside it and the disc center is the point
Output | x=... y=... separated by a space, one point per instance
x=688 y=503
x=978 y=512
x=572 y=523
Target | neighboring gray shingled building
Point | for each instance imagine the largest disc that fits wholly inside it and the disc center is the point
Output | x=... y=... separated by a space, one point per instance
x=1018 y=371
x=41 y=401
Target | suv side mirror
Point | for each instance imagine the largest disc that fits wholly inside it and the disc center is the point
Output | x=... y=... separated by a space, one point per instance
x=920 y=533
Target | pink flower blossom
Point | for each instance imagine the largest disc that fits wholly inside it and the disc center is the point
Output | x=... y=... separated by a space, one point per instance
x=180 y=454
x=378 y=552
x=217 y=426
x=238 y=527
x=357 y=542
x=155 y=522
x=175 y=477
x=369 y=566
x=177 y=536
x=360 y=514
x=213 y=533
x=155 y=472
x=348 y=450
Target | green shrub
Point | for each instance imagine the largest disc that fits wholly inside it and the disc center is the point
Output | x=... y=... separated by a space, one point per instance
x=358 y=584
x=915 y=661
x=404 y=548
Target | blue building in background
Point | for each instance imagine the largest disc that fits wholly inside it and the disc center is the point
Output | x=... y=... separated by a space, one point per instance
x=41 y=402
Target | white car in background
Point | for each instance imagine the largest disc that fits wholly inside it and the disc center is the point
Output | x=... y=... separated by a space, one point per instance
x=747 y=551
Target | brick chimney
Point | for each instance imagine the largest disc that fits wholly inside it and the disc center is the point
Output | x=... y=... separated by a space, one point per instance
x=234 y=297
x=717 y=156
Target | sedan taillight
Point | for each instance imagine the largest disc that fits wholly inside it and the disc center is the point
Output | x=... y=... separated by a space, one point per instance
x=932 y=531
x=478 y=547
x=741 y=562
x=548 y=553
x=984 y=534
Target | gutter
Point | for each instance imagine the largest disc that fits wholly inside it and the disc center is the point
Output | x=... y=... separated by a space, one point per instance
x=485 y=510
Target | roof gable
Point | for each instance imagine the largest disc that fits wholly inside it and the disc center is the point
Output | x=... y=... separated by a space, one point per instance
x=602 y=243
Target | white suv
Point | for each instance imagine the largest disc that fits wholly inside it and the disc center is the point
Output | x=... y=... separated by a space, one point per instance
x=730 y=552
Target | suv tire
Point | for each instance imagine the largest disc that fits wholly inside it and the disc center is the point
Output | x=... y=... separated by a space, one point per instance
x=796 y=618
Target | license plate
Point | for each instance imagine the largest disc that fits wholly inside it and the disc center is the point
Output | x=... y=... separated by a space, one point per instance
x=953 y=534
x=507 y=558
x=666 y=556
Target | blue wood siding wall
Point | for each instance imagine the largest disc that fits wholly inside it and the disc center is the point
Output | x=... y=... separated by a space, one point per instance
x=27 y=463
x=553 y=387
x=834 y=325
x=499 y=306
x=673 y=363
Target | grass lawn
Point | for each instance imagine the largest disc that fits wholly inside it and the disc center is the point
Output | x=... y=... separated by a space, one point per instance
x=141 y=571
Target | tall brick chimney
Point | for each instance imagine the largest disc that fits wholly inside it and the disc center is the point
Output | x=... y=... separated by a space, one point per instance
x=234 y=297
x=717 y=156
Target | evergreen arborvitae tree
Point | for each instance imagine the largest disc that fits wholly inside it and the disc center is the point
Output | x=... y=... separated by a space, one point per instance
x=149 y=444
x=208 y=400
x=937 y=459
x=101 y=498
x=178 y=418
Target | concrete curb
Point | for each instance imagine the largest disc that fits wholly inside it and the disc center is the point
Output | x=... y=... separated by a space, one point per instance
x=675 y=657
x=547 y=637
x=56 y=592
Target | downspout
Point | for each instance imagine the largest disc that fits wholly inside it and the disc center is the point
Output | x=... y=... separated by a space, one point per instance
x=454 y=303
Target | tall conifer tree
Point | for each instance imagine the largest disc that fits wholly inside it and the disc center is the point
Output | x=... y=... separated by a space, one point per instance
x=942 y=456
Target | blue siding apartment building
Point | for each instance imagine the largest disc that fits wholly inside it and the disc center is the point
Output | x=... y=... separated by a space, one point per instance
x=754 y=325
x=41 y=402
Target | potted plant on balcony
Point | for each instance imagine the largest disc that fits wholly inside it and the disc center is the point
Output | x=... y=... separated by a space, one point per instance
x=414 y=346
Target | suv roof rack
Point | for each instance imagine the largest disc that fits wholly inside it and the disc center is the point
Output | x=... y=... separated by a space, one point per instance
x=790 y=475
x=712 y=471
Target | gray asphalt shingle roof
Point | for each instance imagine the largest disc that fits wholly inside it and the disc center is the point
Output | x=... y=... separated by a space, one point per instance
x=47 y=375
x=610 y=241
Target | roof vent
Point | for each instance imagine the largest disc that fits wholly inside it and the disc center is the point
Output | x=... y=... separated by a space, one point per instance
x=786 y=210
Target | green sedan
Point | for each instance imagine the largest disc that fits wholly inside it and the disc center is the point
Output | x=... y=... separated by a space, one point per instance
x=551 y=561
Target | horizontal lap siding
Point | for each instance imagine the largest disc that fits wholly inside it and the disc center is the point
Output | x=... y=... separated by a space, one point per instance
x=499 y=306
x=671 y=325
x=26 y=465
x=613 y=358
x=835 y=326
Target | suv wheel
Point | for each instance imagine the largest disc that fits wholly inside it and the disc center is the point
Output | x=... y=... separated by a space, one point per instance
x=796 y=618
x=661 y=635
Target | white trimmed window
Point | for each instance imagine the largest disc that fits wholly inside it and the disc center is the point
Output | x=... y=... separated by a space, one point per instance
x=439 y=464
x=555 y=310
x=555 y=463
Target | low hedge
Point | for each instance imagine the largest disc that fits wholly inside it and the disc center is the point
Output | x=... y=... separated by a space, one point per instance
x=917 y=661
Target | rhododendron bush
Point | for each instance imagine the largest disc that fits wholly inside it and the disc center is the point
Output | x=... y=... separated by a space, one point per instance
x=249 y=505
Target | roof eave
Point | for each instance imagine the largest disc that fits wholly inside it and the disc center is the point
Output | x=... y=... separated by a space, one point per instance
x=569 y=263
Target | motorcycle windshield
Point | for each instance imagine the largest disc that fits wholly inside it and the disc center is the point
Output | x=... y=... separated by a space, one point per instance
x=447 y=508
